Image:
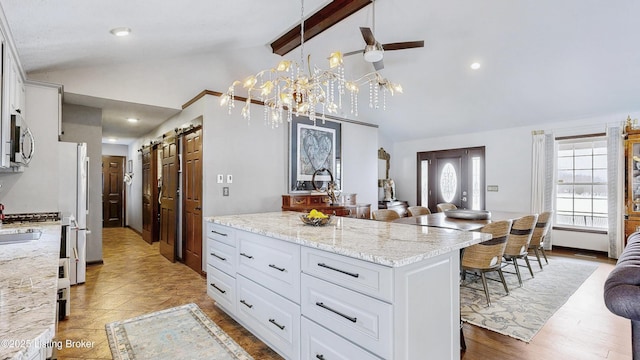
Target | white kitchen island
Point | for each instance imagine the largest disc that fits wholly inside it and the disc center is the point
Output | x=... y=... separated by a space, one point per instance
x=354 y=289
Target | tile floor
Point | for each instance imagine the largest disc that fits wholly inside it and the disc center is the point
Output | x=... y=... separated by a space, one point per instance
x=135 y=279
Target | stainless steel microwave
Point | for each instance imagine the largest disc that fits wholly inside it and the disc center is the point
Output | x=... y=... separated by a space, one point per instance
x=22 y=144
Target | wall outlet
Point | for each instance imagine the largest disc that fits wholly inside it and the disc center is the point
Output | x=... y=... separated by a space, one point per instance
x=225 y=191
x=220 y=178
x=493 y=188
x=229 y=179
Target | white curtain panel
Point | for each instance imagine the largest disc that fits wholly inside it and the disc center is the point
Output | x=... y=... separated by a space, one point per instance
x=549 y=182
x=537 y=173
x=615 y=179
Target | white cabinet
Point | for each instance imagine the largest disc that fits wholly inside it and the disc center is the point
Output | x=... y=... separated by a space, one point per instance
x=308 y=303
x=273 y=318
x=362 y=319
x=221 y=266
x=273 y=263
x=368 y=278
x=320 y=343
x=13 y=98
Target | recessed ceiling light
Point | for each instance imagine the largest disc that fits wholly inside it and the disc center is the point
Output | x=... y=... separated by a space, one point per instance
x=475 y=66
x=113 y=139
x=120 y=31
x=132 y=120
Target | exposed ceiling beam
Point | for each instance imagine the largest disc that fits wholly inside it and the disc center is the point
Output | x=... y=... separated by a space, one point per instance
x=325 y=18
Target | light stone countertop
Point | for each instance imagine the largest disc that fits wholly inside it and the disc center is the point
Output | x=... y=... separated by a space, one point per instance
x=28 y=289
x=379 y=242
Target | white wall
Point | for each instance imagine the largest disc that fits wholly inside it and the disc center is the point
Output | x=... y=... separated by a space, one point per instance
x=257 y=157
x=508 y=165
x=36 y=189
x=115 y=150
x=84 y=124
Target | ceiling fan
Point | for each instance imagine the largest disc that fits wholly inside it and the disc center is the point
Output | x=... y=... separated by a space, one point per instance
x=374 y=51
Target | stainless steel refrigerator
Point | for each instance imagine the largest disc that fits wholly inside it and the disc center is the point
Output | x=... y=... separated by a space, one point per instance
x=74 y=205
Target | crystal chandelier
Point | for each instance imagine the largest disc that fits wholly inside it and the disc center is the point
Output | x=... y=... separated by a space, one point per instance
x=287 y=89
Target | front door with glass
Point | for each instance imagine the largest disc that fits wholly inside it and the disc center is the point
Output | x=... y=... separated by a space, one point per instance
x=451 y=176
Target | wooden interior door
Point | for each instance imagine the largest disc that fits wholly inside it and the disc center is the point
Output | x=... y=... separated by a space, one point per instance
x=192 y=203
x=149 y=195
x=112 y=191
x=168 y=194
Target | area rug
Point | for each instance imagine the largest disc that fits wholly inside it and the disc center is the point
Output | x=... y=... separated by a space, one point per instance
x=523 y=312
x=183 y=332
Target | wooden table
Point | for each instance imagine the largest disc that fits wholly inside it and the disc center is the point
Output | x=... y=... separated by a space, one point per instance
x=441 y=221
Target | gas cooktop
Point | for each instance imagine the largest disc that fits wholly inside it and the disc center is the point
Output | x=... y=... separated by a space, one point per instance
x=31 y=217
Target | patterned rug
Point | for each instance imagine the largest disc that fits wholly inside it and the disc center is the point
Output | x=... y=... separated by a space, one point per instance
x=183 y=332
x=523 y=312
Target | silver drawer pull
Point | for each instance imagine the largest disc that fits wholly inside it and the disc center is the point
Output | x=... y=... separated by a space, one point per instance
x=273 y=321
x=219 y=233
x=217 y=288
x=322 y=305
x=219 y=257
x=277 y=268
x=247 y=256
x=338 y=270
x=246 y=304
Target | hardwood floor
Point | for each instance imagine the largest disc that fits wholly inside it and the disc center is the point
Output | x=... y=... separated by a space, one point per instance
x=583 y=328
x=135 y=279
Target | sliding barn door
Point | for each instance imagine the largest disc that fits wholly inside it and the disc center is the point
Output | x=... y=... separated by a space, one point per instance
x=168 y=195
x=192 y=213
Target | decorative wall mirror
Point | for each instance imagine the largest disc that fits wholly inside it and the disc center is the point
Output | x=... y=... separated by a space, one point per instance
x=386 y=186
x=385 y=157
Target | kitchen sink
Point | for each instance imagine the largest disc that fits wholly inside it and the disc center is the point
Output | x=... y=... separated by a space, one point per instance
x=11 y=236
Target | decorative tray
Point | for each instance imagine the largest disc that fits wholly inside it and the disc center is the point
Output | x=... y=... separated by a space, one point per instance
x=468 y=214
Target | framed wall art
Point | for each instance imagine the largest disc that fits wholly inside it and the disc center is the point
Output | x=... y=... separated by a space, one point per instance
x=313 y=147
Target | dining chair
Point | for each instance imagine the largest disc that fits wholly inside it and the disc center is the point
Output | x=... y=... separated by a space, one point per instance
x=487 y=256
x=518 y=243
x=442 y=207
x=418 y=210
x=539 y=233
x=385 y=215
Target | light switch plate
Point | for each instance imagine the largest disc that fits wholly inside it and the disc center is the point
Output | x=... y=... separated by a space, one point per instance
x=229 y=179
x=220 y=178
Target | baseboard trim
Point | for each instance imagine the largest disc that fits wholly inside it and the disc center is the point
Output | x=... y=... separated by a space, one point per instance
x=134 y=230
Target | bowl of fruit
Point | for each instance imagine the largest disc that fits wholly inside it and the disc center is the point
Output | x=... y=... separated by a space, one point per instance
x=316 y=218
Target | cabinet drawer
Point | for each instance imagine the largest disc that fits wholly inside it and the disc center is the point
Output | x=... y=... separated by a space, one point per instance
x=273 y=263
x=366 y=321
x=221 y=256
x=320 y=343
x=221 y=233
x=272 y=318
x=298 y=200
x=221 y=288
x=365 y=277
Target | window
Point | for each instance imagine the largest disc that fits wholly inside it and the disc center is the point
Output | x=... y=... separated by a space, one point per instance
x=581 y=190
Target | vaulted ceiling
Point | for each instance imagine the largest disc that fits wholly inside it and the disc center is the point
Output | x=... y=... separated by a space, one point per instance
x=541 y=61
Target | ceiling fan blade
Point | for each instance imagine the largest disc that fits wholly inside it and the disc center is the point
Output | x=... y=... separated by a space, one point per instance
x=367 y=34
x=403 y=45
x=378 y=65
x=353 y=53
